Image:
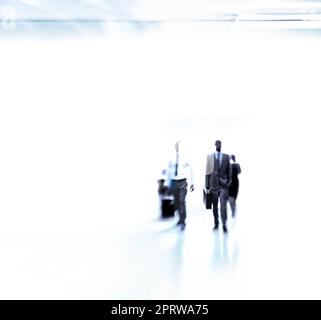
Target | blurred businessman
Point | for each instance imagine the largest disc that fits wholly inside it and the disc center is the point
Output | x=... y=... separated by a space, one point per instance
x=218 y=177
x=179 y=173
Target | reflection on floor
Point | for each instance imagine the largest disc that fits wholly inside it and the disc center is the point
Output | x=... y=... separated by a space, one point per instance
x=168 y=263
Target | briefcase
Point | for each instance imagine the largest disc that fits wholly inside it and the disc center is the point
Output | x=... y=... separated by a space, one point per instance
x=207 y=199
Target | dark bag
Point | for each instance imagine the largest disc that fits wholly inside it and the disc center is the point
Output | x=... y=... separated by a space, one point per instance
x=168 y=208
x=207 y=199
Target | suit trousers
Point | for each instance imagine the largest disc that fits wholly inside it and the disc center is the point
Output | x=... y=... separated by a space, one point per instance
x=179 y=190
x=221 y=194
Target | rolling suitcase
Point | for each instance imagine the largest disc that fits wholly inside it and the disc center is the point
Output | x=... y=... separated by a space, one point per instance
x=168 y=209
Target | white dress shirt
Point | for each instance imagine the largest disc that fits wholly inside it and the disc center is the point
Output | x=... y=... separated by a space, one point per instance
x=218 y=154
x=184 y=169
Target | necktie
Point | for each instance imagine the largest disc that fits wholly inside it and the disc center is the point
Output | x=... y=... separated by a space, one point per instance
x=219 y=158
x=176 y=165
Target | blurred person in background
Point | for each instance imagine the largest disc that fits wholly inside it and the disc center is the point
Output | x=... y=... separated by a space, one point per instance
x=166 y=200
x=234 y=187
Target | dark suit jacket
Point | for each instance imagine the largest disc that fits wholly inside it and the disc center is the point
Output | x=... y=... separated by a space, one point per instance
x=218 y=176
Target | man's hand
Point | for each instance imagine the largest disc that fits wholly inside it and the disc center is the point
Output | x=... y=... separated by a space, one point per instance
x=207 y=190
x=192 y=187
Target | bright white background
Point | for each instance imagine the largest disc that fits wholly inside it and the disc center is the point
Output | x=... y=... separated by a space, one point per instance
x=86 y=125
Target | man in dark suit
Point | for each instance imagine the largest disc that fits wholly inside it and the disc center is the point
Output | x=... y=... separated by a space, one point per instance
x=218 y=177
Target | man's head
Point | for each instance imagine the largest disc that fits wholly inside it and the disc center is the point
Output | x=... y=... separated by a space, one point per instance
x=218 y=145
x=233 y=157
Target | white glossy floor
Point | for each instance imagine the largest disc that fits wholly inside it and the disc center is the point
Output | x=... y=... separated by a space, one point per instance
x=86 y=126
